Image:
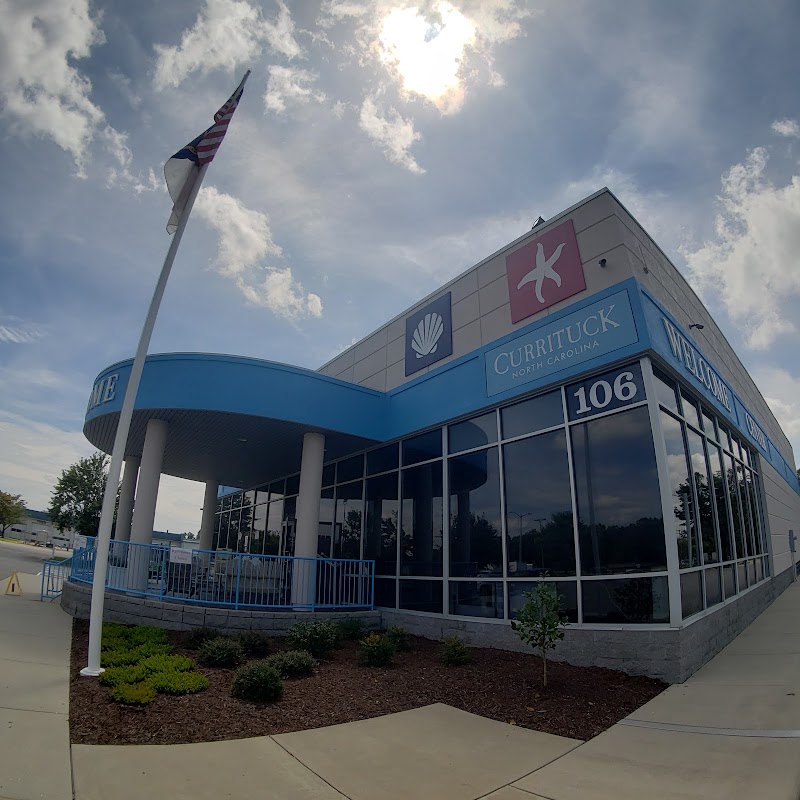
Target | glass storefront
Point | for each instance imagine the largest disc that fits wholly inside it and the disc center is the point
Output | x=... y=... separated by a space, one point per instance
x=562 y=486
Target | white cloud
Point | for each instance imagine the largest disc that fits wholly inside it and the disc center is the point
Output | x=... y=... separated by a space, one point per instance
x=787 y=127
x=42 y=91
x=15 y=331
x=179 y=504
x=290 y=85
x=781 y=390
x=124 y=86
x=749 y=262
x=333 y=12
x=225 y=35
x=392 y=132
x=116 y=144
x=245 y=240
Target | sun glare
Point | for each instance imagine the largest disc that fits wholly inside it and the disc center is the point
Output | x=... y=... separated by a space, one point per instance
x=427 y=52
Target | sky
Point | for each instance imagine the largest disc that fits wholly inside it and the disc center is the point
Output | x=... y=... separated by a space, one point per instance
x=380 y=149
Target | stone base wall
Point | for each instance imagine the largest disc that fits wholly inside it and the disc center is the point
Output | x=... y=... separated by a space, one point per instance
x=76 y=601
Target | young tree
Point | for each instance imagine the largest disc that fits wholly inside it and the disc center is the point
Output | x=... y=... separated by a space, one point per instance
x=540 y=622
x=78 y=496
x=12 y=510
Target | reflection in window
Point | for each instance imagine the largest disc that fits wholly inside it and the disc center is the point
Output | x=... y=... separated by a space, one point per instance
x=326 y=514
x=747 y=517
x=540 y=537
x=708 y=423
x=691 y=411
x=705 y=505
x=349 y=512
x=665 y=391
x=729 y=580
x=619 y=503
x=736 y=512
x=274 y=524
x=422 y=510
x=475 y=432
x=713 y=587
x=288 y=525
x=233 y=531
x=215 y=537
x=567 y=595
x=477 y=599
x=532 y=415
x=692 y=592
x=720 y=500
x=383 y=459
x=752 y=482
x=292 y=485
x=422 y=447
x=380 y=534
x=350 y=469
x=329 y=475
x=421 y=596
x=627 y=600
x=385 y=592
x=476 y=547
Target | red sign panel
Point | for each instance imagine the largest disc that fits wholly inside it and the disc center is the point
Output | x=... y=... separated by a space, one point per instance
x=545 y=271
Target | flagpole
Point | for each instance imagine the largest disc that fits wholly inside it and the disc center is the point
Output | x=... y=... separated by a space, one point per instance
x=121 y=439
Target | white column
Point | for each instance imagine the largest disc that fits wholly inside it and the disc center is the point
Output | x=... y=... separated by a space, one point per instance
x=144 y=513
x=307 y=530
x=126 y=494
x=209 y=516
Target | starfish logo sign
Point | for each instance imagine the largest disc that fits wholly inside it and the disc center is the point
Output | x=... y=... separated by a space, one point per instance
x=544 y=271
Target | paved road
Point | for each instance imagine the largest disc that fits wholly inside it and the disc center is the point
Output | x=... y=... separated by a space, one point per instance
x=23 y=558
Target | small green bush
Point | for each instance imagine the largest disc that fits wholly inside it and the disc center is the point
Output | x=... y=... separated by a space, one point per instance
x=221 y=652
x=153 y=649
x=253 y=643
x=119 y=658
x=454 y=652
x=134 y=694
x=350 y=629
x=376 y=650
x=400 y=637
x=197 y=637
x=142 y=635
x=318 y=638
x=292 y=663
x=116 y=676
x=178 y=682
x=164 y=663
x=258 y=682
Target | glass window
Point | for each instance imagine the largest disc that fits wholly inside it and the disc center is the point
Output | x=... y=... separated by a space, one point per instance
x=746 y=522
x=736 y=513
x=288 y=525
x=383 y=459
x=751 y=571
x=567 y=595
x=619 y=502
x=729 y=580
x=713 y=587
x=752 y=483
x=380 y=534
x=745 y=482
x=236 y=500
x=421 y=596
x=249 y=497
x=258 y=539
x=385 y=592
x=233 y=531
x=759 y=569
x=329 y=475
x=476 y=546
x=422 y=520
x=745 y=456
x=292 y=485
x=215 y=537
x=535 y=414
x=708 y=423
x=350 y=469
x=326 y=514
x=472 y=433
x=245 y=529
x=724 y=436
x=741 y=574
x=691 y=411
x=627 y=600
x=665 y=391
x=226 y=502
x=720 y=501
x=276 y=490
x=692 y=592
x=477 y=599
x=349 y=512
x=540 y=538
x=422 y=447
x=274 y=525
x=705 y=505
x=262 y=494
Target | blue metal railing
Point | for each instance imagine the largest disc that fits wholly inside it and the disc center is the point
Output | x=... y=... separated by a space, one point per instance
x=237 y=580
x=53 y=575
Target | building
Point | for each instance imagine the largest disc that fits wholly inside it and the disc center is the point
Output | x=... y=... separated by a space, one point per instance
x=565 y=409
x=36 y=527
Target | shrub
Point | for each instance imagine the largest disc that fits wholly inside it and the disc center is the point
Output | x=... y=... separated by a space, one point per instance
x=134 y=694
x=221 y=652
x=400 y=637
x=257 y=682
x=540 y=622
x=454 y=652
x=164 y=663
x=253 y=643
x=377 y=650
x=197 y=637
x=116 y=676
x=141 y=635
x=119 y=658
x=319 y=638
x=292 y=663
x=350 y=629
x=178 y=682
x=153 y=649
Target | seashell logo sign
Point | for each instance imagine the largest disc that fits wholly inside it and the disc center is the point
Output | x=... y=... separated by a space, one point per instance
x=429 y=335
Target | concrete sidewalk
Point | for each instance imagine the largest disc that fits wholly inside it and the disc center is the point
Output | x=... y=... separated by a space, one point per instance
x=34 y=695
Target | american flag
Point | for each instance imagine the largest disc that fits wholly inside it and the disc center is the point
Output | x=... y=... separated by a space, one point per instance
x=181 y=171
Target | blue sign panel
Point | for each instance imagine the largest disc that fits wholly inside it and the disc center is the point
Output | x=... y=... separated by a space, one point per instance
x=429 y=335
x=595 y=330
x=614 y=389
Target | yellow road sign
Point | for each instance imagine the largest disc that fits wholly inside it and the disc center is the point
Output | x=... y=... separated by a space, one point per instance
x=13 y=587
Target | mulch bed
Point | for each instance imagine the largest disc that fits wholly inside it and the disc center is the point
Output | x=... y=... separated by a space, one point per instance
x=579 y=702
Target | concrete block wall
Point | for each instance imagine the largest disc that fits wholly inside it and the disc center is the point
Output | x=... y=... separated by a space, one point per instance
x=480 y=303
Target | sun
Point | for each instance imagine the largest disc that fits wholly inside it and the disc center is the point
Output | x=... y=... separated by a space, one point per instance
x=426 y=52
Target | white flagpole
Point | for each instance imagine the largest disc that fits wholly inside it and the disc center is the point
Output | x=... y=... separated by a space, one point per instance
x=121 y=439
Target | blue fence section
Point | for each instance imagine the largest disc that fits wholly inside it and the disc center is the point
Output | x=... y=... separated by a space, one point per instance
x=237 y=580
x=53 y=575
